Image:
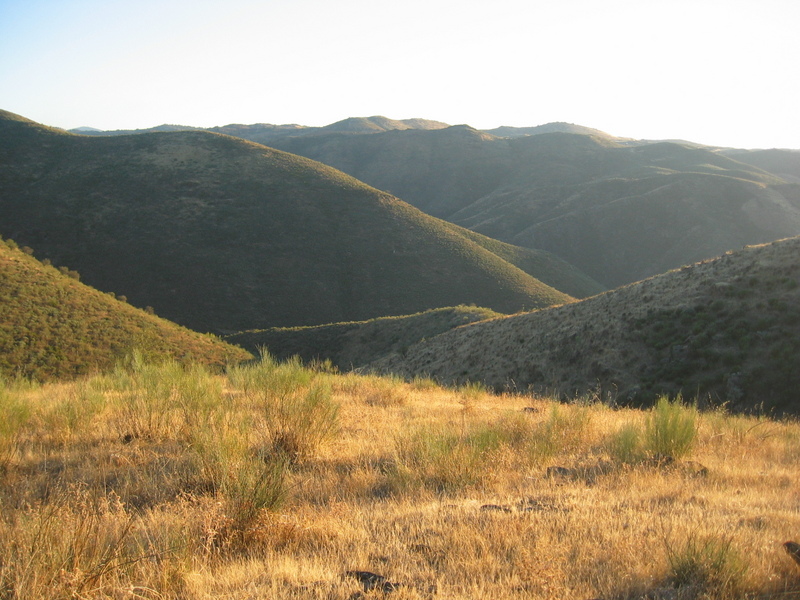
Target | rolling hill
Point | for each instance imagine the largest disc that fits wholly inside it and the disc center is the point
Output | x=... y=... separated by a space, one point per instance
x=223 y=235
x=54 y=327
x=725 y=330
x=619 y=211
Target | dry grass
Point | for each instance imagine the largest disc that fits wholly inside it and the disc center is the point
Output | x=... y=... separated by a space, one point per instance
x=444 y=492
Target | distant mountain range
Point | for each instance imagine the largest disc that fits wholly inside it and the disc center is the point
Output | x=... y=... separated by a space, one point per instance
x=620 y=210
x=220 y=234
x=617 y=210
x=723 y=331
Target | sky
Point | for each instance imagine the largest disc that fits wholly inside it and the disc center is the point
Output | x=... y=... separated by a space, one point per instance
x=717 y=72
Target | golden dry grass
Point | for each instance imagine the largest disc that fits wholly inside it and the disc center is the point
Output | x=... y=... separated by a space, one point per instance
x=444 y=492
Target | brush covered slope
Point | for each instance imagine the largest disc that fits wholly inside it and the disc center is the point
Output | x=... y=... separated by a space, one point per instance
x=54 y=327
x=726 y=330
x=618 y=210
x=223 y=235
x=353 y=345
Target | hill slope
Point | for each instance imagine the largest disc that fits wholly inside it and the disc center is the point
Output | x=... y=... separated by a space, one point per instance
x=223 y=235
x=54 y=327
x=619 y=212
x=352 y=345
x=728 y=329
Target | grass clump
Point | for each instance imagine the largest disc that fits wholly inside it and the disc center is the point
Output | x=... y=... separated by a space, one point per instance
x=441 y=460
x=298 y=413
x=15 y=413
x=707 y=564
x=669 y=431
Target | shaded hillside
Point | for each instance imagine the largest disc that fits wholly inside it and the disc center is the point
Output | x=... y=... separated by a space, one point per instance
x=784 y=163
x=54 y=327
x=619 y=212
x=352 y=345
x=223 y=235
x=544 y=266
x=727 y=329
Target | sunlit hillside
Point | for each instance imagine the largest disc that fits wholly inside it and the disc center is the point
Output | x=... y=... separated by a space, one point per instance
x=53 y=327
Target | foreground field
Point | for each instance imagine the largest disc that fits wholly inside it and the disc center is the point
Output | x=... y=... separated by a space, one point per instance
x=278 y=481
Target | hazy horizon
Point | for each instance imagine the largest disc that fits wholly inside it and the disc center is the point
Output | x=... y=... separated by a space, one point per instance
x=713 y=72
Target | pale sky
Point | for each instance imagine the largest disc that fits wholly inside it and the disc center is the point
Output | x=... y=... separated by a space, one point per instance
x=718 y=72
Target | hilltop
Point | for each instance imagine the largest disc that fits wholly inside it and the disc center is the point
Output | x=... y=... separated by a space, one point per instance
x=220 y=234
x=725 y=330
x=54 y=327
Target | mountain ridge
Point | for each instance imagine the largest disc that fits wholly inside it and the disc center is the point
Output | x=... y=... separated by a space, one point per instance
x=222 y=234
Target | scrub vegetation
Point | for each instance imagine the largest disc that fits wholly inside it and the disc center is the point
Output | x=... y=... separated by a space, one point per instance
x=279 y=480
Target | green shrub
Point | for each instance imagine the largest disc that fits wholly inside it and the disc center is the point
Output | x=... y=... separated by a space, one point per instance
x=562 y=431
x=670 y=429
x=147 y=397
x=297 y=405
x=440 y=459
x=247 y=481
x=625 y=445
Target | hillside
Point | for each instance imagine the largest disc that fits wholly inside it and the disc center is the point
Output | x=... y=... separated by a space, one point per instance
x=618 y=211
x=54 y=327
x=784 y=163
x=726 y=330
x=223 y=235
x=353 y=345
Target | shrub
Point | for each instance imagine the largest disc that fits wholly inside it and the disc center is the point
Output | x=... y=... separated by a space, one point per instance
x=670 y=429
x=298 y=410
x=560 y=432
x=246 y=481
x=441 y=460
x=707 y=563
x=625 y=445
x=146 y=402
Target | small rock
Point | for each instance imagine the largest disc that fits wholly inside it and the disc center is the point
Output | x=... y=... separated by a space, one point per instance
x=373 y=581
x=694 y=469
x=496 y=507
x=661 y=461
x=559 y=472
x=793 y=550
